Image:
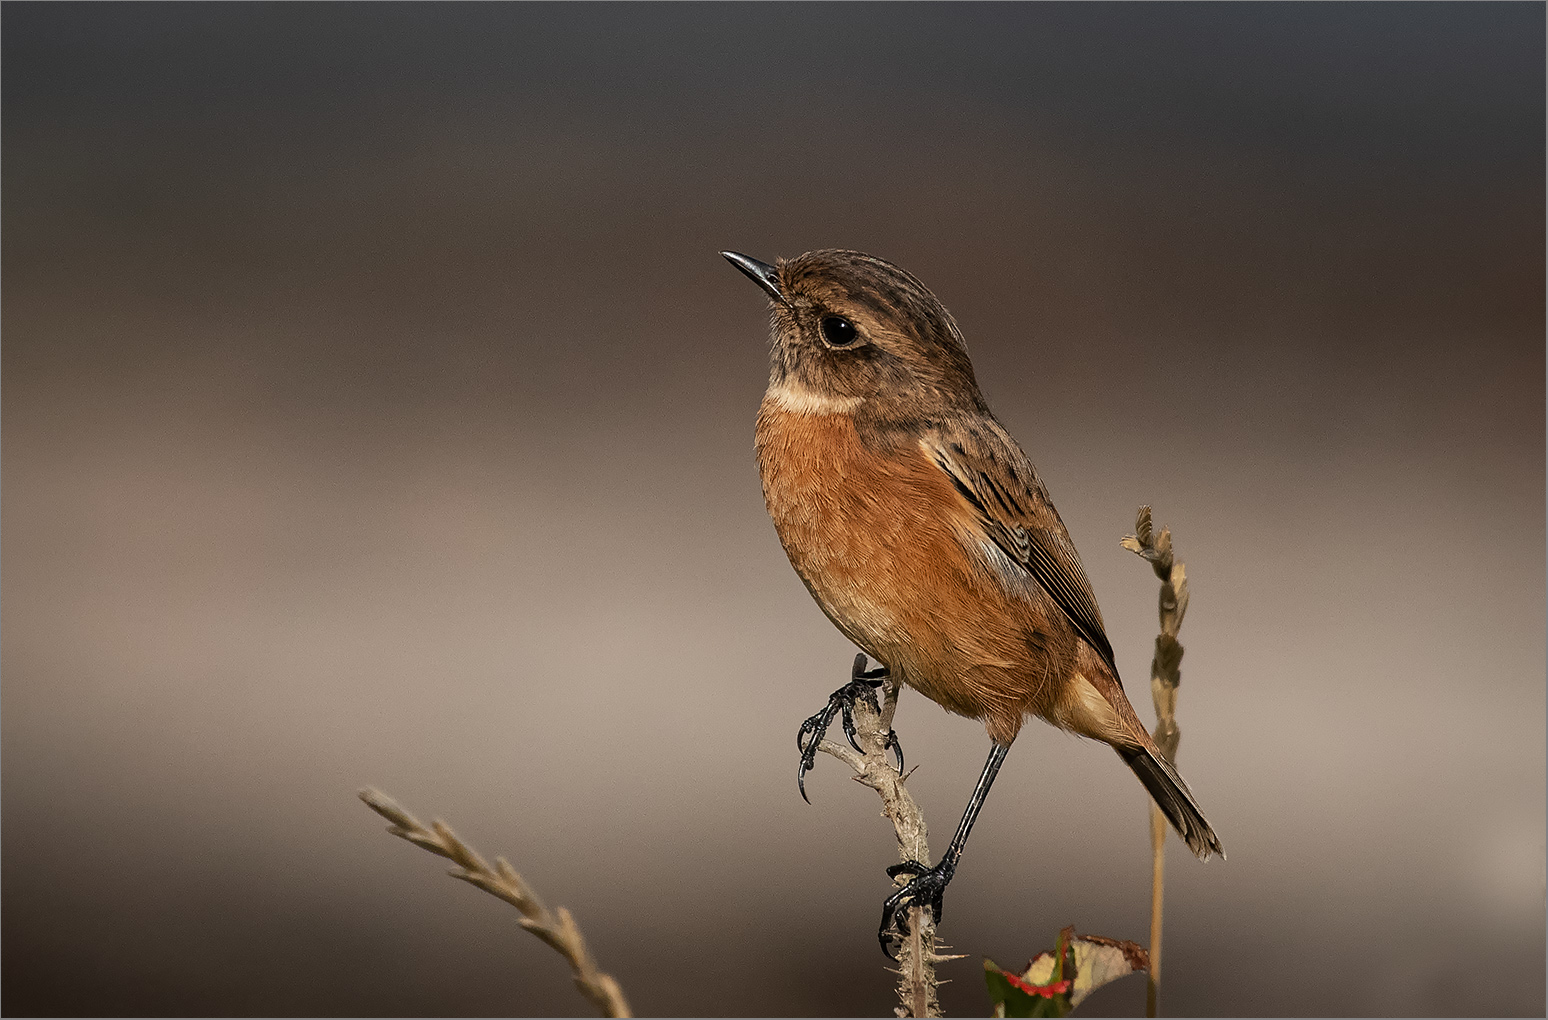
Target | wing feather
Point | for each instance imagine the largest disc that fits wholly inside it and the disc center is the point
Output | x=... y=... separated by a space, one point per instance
x=996 y=479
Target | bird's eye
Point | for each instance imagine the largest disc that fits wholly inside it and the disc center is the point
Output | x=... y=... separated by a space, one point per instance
x=838 y=331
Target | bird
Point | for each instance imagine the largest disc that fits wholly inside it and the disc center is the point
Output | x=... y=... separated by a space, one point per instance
x=926 y=536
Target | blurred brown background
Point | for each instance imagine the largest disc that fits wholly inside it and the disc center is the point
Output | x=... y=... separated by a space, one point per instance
x=377 y=410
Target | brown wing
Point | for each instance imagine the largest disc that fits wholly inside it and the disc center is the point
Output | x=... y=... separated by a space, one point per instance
x=997 y=480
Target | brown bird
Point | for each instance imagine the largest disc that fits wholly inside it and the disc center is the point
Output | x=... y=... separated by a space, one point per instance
x=925 y=534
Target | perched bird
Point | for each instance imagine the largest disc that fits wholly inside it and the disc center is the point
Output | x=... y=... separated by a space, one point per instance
x=925 y=534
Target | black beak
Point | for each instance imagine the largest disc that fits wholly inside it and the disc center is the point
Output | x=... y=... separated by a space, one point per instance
x=764 y=275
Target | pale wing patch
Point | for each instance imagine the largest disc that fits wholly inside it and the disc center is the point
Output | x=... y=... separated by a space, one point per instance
x=1010 y=572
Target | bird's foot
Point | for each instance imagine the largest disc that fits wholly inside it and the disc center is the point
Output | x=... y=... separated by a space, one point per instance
x=863 y=683
x=925 y=891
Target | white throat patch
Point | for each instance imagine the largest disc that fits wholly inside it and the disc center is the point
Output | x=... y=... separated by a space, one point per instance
x=791 y=396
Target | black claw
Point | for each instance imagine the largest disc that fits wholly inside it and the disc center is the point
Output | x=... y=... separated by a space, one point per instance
x=849 y=727
x=926 y=890
x=863 y=683
x=807 y=739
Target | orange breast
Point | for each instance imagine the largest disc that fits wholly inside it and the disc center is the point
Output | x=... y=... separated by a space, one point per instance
x=878 y=537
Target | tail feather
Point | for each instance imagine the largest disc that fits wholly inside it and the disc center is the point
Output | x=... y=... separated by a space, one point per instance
x=1175 y=800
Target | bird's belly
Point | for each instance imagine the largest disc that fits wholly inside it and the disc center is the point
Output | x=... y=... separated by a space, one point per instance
x=875 y=540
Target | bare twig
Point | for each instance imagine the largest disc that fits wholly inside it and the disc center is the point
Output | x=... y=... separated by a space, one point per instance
x=558 y=929
x=918 y=954
x=1165 y=675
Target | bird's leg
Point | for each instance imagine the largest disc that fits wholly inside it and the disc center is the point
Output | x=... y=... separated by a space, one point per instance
x=863 y=683
x=928 y=885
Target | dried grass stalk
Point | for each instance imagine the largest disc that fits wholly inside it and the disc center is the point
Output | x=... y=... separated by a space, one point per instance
x=1165 y=676
x=558 y=929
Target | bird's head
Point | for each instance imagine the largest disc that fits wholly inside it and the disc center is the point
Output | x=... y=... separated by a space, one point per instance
x=850 y=330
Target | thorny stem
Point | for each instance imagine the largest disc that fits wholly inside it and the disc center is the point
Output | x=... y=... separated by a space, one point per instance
x=558 y=929
x=918 y=954
x=1165 y=675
